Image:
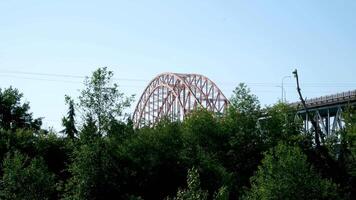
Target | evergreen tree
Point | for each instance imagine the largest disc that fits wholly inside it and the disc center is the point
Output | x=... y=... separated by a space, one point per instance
x=69 y=122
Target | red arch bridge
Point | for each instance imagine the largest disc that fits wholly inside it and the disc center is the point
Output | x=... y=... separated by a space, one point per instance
x=174 y=95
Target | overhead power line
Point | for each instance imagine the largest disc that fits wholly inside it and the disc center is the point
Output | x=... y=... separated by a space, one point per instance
x=60 y=81
x=62 y=75
x=36 y=75
x=142 y=86
x=41 y=74
x=38 y=79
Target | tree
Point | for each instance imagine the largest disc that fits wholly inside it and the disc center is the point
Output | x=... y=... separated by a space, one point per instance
x=205 y=146
x=285 y=174
x=193 y=191
x=151 y=160
x=348 y=141
x=201 y=128
x=245 y=143
x=347 y=151
x=13 y=113
x=26 y=179
x=243 y=101
x=222 y=194
x=89 y=131
x=280 y=124
x=69 y=121
x=102 y=100
x=94 y=172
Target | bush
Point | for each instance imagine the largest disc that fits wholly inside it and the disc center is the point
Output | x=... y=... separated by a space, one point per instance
x=285 y=174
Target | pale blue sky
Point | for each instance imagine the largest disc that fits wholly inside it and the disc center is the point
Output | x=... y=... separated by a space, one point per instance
x=257 y=42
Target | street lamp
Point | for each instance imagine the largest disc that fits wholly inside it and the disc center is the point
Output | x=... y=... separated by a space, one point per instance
x=283 y=91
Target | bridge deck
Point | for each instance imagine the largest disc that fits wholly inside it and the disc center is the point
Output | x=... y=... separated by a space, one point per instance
x=329 y=100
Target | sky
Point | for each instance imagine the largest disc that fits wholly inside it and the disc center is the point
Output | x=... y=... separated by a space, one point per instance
x=229 y=41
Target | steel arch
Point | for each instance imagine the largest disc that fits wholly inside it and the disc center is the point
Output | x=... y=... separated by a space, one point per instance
x=174 y=95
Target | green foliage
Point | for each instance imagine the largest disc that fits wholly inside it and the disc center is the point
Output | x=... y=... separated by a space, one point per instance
x=243 y=101
x=69 y=122
x=21 y=140
x=109 y=159
x=151 y=161
x=93 y=172
x=102 y=100
x=201 y=128
x=54 y=151
x=279 y=124
x=89 y=131
x=193 y=191
x=205 y=146
x=345 y=146
x=26 y=179
x=13 y=113
x=349 y=141
x=285 y=174
x=222 y=194
x=245 y=145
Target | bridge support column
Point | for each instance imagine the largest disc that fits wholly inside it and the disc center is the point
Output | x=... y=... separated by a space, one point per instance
x=328 y=123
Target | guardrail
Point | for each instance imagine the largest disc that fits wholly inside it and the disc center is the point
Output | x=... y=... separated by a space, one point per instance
x=329 y=99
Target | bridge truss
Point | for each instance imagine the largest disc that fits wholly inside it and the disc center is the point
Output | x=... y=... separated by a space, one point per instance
x=327 y=111
x=173 y=95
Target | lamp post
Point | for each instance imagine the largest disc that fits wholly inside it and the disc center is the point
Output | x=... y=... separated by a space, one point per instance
x=283 y=92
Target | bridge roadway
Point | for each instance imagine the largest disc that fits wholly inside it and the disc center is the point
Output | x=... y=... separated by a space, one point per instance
x=327 y=110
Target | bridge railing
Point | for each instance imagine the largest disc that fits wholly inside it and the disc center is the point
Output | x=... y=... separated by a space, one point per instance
x=329 y=99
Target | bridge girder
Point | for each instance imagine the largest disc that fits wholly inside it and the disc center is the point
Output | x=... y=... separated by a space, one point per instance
x=329 y=119
x=326 y=111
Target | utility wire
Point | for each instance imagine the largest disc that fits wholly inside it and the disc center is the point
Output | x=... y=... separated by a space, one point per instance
x=254 y=84
x=39 y=79
x=60 y=81
x=62 y=75
x=41 y=74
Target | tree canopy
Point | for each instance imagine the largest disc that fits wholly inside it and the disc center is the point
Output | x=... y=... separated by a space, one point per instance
x=14 y=113
x=248 y=153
